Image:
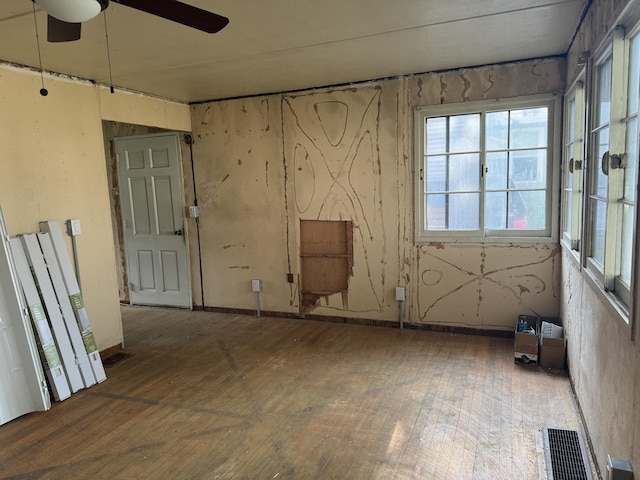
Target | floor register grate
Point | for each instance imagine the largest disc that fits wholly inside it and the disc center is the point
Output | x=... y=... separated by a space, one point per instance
x=565 y=455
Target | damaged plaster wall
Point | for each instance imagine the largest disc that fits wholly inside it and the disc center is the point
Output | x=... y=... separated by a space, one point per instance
x=340 y=153
x=346 y=153
x=240 y=187
x=485 y=285
x=602 y=350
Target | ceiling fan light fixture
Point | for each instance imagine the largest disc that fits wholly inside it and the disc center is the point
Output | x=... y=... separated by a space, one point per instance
x=72 y=11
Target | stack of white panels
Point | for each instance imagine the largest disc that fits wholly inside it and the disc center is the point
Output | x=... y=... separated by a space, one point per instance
x=68 y=350
x=74 y=296
x=67 y=334
x=51 y=362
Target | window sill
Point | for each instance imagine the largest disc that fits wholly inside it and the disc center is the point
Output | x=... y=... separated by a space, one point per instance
x=610 y=301
x=574 y=255
x=462 y=239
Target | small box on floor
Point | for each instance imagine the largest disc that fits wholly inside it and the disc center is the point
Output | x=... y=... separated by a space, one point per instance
x=526 y=340
x=553 y=345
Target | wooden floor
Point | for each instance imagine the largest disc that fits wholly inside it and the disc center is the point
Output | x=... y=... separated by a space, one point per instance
x=214 y=396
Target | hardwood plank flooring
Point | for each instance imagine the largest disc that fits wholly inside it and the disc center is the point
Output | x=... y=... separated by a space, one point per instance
x=218 y=396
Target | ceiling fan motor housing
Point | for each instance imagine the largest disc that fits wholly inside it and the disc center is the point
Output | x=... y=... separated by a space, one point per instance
x=73 y=11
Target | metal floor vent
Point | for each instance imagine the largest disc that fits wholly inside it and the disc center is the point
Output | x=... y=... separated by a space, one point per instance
x=565 y=455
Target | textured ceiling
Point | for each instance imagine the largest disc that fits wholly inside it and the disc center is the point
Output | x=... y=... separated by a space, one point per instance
x=283 y=45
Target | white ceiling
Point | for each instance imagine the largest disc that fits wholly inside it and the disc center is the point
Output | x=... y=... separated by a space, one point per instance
x=282 y=45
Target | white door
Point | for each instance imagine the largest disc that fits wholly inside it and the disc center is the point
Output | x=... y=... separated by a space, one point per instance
x=153 y=217
x=22 y=383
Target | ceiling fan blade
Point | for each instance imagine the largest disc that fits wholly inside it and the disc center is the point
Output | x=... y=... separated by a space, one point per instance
x=180 y=12
x=59 y=31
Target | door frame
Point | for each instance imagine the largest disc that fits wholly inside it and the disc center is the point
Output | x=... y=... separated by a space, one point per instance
x=112 y=131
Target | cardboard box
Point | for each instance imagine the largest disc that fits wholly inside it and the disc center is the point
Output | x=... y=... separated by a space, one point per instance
x=525 y=344
x=553 y=346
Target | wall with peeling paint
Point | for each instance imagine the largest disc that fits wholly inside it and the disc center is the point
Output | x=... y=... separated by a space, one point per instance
x=53 y=167
x=263 y=164
x=602 y=350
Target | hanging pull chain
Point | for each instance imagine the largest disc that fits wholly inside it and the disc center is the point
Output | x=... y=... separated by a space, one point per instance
x=106 y=35
x=43 y=91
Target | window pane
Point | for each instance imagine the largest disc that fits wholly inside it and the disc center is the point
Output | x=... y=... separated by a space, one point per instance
x=631 y=160
x=598 y=223
x=528 y=128
x=569 y=173
x=528 y=169
x=626 y=247
x=568 y=211
x=436 y=180
x=464 y=211
x=528 y=210
x=464 y=172
x=567 y=199
x=572 y=120
x=461 y=213
x=435 y=212
x=497 y=171
x=634 y=75
x=516 y=210
x=603 y=106
x=601 y=182
x=497 y=131
x=495 y=210
x=464 y=133
x=436 y=137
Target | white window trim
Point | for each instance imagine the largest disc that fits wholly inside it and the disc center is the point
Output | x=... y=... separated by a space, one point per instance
x=550 y=234
x=577 y=92
x=606 y=277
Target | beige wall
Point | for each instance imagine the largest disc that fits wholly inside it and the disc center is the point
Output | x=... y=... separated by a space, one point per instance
x=53 y=167
x=264 y=163
x=603 y=354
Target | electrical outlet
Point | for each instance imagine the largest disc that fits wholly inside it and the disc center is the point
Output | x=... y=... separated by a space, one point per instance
x=73 y=227
x=256 y=285
x=618 y=469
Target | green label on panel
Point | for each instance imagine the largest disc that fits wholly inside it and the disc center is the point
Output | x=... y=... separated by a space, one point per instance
x=47 y=343
x=51 y=355
x=83 y=322
x=89 y=341
x=37 y=313
x=76 y=301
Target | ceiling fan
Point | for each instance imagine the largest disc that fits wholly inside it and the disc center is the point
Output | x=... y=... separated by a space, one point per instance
x=65 y=17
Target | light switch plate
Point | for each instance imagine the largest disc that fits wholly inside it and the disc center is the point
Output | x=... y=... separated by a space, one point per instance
x=194 y=211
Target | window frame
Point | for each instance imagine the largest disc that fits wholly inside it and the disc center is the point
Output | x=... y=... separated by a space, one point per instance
x=573 y=165
x=606 y=276
x=484 y=235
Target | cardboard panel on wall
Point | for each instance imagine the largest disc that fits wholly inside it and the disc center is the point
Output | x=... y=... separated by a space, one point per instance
x=326 y=251
x=324 y=275
x=324 y=237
